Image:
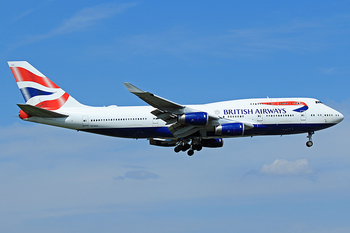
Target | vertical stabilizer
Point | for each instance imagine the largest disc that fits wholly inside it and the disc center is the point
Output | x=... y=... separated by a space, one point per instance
x=38 y=90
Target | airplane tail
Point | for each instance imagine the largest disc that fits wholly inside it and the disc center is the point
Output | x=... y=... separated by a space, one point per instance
x=38 y=90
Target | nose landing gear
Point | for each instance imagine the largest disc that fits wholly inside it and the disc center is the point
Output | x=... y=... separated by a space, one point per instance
x=309 y=136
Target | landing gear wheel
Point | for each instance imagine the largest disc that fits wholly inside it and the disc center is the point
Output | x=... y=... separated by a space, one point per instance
x=190 y=152
x=180 y=147
x=177 y=149
x=197 y=147
x=309 y=136
x=309 y=143
x=186 y=147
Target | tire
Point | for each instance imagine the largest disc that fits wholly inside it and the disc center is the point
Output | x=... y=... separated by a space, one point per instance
x=190 y=152
x=309 y=143
x=186 y=147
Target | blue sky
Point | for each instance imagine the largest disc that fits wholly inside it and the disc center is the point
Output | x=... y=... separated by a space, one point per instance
x=57 y=180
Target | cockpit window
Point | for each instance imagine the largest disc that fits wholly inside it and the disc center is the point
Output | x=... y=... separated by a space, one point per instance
x=318 y=102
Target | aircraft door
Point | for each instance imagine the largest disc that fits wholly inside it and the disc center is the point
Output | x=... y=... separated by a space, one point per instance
x=85 y=121
x=155 y=122
x=303 y=117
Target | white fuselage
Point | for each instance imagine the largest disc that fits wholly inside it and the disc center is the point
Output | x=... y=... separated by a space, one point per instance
x=166 y=123
x=278 y=116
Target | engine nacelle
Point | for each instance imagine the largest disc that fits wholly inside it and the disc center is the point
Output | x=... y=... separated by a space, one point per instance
x=213 y=142
x=194 y=118
x=160 y=142
x=231 y=129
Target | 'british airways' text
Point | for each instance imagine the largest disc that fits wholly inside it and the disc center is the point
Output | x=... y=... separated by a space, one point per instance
x=257 y=111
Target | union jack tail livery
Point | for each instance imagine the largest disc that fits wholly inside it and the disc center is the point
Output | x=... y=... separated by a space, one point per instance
x=37 y=89
x=169 y=124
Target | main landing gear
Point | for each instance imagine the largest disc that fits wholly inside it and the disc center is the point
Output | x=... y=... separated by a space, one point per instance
x=309 y=136
x=184 y=146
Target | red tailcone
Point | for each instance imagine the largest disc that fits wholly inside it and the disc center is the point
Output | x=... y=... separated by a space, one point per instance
x=23 y=115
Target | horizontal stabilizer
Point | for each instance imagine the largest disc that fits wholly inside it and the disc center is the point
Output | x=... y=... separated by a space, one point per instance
x=40 y=112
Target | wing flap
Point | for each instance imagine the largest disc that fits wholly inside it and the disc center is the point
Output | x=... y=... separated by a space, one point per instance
x=182 y=131
x=40 y=112
x=168 y=117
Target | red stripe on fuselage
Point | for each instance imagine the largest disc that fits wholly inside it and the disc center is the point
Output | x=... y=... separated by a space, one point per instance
x=285 y=103
x=54 y=104
x=23 y=75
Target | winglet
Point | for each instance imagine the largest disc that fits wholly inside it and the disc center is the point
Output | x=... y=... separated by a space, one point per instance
x=132 y=88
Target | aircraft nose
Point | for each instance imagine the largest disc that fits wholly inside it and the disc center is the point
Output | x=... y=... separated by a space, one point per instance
x=340 y=117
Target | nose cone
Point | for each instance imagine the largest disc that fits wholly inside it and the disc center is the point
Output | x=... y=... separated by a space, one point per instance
x=340 y=117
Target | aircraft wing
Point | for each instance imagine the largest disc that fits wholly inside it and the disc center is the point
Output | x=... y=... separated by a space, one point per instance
x=169 y=112
x=155 y=101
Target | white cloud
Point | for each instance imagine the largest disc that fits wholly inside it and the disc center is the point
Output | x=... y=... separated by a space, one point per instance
x=294 y=37
x=86 y=17
x=285 y=167
x=138 y=175
x=77 y=180
x=241 y=42
x=82 y=20
x=330 y=70
x=25 y=13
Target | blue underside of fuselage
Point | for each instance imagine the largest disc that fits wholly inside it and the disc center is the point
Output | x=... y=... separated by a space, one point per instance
x=163 y=132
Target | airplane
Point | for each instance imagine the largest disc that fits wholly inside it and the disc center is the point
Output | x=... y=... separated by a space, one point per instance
x=166 y=123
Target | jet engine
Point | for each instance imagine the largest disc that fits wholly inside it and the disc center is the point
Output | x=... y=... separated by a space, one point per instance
x=194 y=118
x=213 y=142
x=161 y=142
x=231 y=129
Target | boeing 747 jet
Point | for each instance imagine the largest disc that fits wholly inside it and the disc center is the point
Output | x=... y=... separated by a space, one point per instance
x=166 y=123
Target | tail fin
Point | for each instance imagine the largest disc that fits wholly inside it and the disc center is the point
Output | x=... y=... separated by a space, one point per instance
x=38 y=90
